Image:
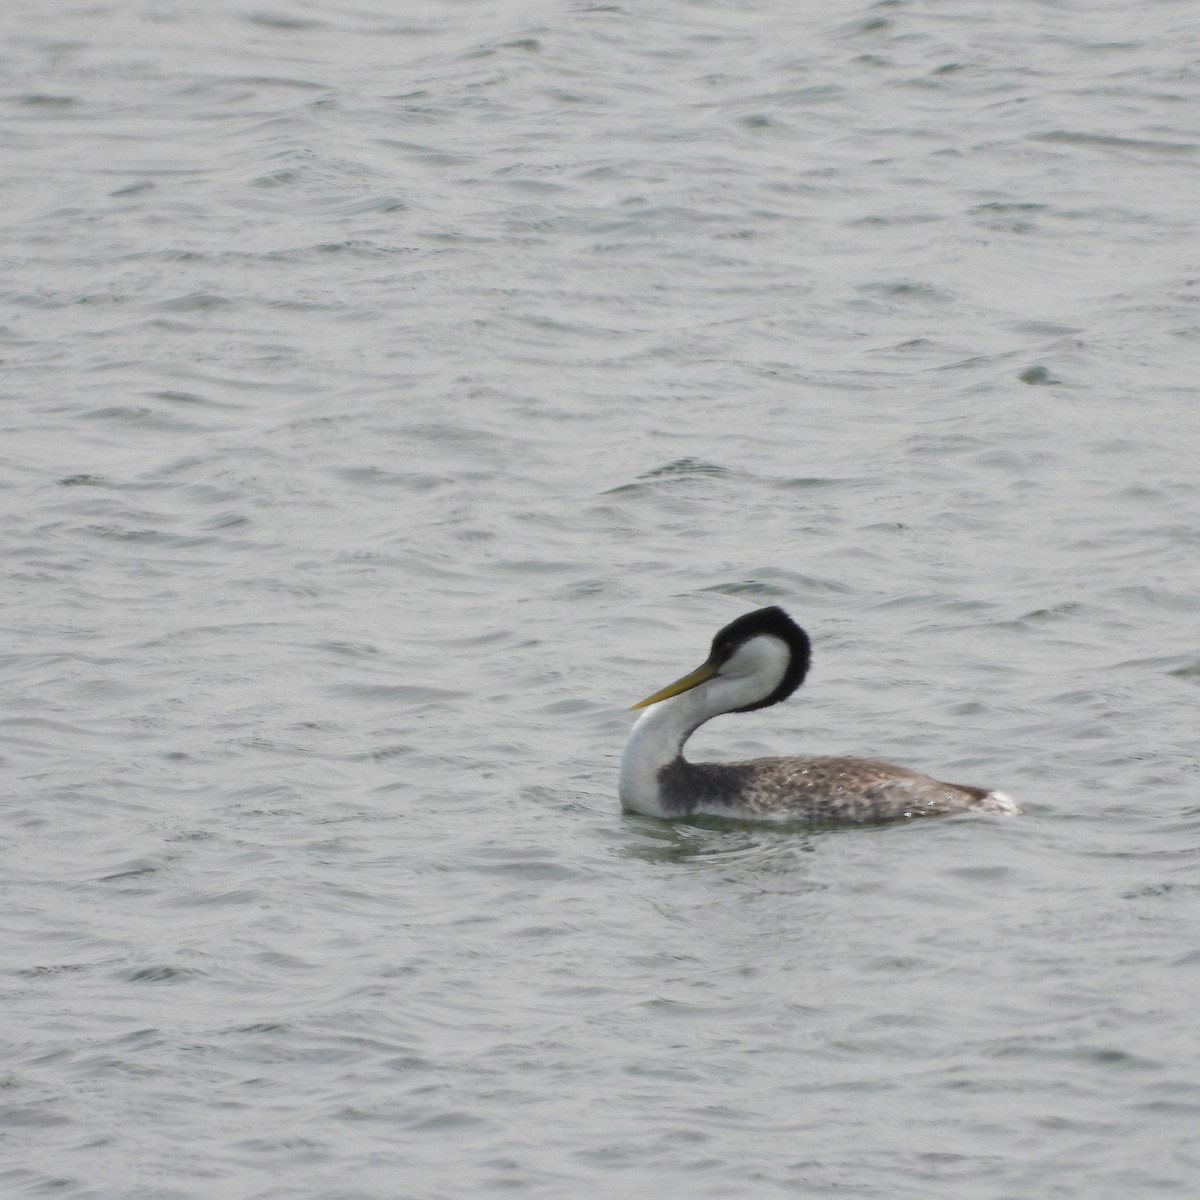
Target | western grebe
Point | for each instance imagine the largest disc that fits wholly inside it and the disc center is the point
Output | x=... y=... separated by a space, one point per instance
x=759 y=660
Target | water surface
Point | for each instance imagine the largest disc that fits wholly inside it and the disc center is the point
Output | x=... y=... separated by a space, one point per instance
x=394 y=395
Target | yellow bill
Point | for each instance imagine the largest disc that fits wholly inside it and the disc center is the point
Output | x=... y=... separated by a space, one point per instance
x=694 y=679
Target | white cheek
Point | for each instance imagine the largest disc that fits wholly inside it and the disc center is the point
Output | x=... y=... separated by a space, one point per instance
x=764 y=658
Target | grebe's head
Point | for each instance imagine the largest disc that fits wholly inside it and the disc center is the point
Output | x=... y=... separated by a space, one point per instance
x=761 y=658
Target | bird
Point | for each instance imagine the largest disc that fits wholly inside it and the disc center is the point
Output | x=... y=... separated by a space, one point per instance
x=758 y=660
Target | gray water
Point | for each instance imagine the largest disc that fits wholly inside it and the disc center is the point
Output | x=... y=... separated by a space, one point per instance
x=394 y=393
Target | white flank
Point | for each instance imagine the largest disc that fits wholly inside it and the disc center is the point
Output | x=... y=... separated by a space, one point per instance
x=998 y=802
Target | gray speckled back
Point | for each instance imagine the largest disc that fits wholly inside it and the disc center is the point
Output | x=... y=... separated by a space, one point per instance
x=814 y=790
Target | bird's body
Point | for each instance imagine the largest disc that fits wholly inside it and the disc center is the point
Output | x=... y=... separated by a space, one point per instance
x=758 y=660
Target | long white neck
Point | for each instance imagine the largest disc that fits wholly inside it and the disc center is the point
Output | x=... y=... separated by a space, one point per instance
x=657 y=738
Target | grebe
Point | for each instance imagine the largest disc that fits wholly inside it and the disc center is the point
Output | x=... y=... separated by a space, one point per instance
x=759 y=660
